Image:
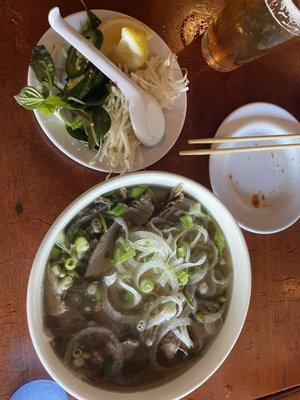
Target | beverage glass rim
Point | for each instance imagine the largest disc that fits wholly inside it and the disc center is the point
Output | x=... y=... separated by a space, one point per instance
x=286 y=13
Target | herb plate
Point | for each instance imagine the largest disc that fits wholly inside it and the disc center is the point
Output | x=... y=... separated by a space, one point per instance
x=56 y=132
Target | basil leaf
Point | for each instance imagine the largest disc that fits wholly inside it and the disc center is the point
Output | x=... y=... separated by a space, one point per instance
x=51 y=104
x=99 y=91
x=93 y=20
x=78 y=133
x=80 y=87
x=43 y=67
x=29 y=98
x=102 y=122
x=76 y=64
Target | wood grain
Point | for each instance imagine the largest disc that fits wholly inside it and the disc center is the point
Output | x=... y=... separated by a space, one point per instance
x=38 y=182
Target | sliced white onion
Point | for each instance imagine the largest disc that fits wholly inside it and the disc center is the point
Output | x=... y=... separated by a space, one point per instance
x=197 y=263
x=115 y=315
x=136 y=295
x=198 y=276
x=169 y=311
x=157 y=266
x=214 y=327
x=178 y=300
x=201 y=232
x=219 y=281
x=210 y=318
x=184 y=336
x=170 y=326
x=160 y=244
x=109 y=280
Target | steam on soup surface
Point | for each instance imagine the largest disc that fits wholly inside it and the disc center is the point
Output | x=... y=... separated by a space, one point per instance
x=136 y=286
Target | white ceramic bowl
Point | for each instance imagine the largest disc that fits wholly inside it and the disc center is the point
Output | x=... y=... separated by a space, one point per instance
x=56 y=132
x=273 y=177
x=224 y=341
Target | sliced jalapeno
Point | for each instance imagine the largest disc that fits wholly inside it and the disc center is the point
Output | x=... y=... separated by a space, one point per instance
x=80 y=87
x=94 y=36
x=76 y=63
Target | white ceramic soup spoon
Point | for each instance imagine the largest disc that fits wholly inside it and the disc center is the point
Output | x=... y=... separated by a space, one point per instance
x=146 y=115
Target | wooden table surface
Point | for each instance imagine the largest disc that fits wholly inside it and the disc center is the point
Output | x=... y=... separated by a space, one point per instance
x=38 y=182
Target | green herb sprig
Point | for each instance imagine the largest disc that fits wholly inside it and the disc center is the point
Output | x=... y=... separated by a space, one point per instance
x=79 y=104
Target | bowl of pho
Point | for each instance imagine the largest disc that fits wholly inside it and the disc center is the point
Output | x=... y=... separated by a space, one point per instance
x=140 y=287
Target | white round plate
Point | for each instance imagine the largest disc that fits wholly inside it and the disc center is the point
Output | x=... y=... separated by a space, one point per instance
x=54 y=129
x=261 y=189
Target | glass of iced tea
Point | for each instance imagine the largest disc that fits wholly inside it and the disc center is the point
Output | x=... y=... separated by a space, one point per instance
x=247 y=29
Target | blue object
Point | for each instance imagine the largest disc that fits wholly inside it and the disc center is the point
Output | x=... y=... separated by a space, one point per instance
x=40 y=389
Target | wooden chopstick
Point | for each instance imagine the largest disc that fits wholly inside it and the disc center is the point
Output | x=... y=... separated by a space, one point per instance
x=237 y=150
x=242 y=139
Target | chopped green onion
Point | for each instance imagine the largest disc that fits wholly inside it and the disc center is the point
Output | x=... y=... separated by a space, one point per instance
x=86 y=355
x=118 y=210
x=182 y=250
x=186 y=221
x=58 y=271
x=170 y=268
x=199 y=318
x=81 y=245
x=78 y=362
x=76 y=353
x=73 y=274
x=138 y=191
x=92 y=289
x=70 y=264
x=188 y=302
x=104 y=224
x=98 y=294
x=146 y=286
x=182 y=277
x=219 y=238
x=128 y=296
x=124 y=252
x=97 y=225
x=65 y=283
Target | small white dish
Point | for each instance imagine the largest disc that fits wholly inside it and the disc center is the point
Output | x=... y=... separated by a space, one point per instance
x=215 y=355
x=261 y=189
x=55 y=130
